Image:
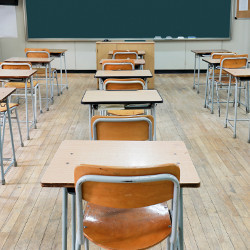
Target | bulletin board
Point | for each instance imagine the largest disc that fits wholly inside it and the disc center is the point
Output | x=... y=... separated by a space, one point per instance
x=242 y=9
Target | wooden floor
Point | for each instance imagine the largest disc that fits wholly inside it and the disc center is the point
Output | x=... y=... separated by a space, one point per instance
x=216 y=215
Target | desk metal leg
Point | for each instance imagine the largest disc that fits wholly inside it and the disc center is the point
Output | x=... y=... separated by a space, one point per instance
x=235 y=106
x=1 y=158
x=154 y=115
x=247 y=96
x=47 y=94
x=198 y=83
x=61 y=71
x=32 y=100
x=228 y=97
x=90 y=116
x=212 y=98
x=11 y=133
x=73 y=218
x=64 y=218
x=205 y=104
x=67 y=86
x=27 y=112
x=51 y=86
x=181 y=234
x=194 y=69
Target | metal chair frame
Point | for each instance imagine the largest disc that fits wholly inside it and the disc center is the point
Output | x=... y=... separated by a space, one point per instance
x=172 y=239
x=54 y=72
x=122 y=119
x=124 y=53
x=124 y=63
x=123 y=82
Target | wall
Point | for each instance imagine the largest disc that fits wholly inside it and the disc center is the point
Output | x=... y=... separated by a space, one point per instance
x=168 y=55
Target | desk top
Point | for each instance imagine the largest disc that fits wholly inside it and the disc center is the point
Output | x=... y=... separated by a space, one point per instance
x=57 y=51
x=140 y=52
x=11 y=73
x=208 y=51
x=239 y=72
x=5 y=92
x=123 y=73
x=214 y=61
x=29 y=59
x=71 y=153
x=136 y=61
x=121 y=97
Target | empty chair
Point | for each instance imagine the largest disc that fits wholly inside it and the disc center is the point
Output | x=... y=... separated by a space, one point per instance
x=126 y=207
x=125 y=84
x=129 y=128
x=123 y=64
x=41 y=72
x=125 y=54
x=21 y=85
x=222 y=82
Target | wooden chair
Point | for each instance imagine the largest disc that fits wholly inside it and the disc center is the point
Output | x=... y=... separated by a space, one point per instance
x=123 y=64
x=124 y=84
x=41 y=72
x=4 y=113
x=126 y=207
x=125 y=54
x=230 y=62
x=21 y=85
x=129 y=128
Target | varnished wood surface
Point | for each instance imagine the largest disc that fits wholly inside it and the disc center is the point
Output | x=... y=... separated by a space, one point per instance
x=140 y=52
x=136 y=61
x=216 y=215
x=123 y=73
x=121 y=97
x=239 y=72
x=208 y=51
x=11 y=73
x=30 y=59
x=70 y=154
x=57 y=51
x=214 y=61
x=5 y=92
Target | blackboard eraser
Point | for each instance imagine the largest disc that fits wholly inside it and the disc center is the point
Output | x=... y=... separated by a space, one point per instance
x=191 y=37
x=180 y=37
x=106 y=40
x=157 y=38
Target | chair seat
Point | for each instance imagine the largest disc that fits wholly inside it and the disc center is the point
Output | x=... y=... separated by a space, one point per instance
x=135 y=228
x=41 y=71
x=19 y=85
x=126 y=112
x=3 y=107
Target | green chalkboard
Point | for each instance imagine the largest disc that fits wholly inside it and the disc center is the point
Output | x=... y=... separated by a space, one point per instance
x=95 y=19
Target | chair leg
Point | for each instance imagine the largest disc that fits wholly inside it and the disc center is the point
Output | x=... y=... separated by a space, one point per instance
x=218 y=98
x=58 y=91
x=4 y=123
x=86 y=244
x=228 y=98
x=19 y=128
x=40 y=98
x=35 y=88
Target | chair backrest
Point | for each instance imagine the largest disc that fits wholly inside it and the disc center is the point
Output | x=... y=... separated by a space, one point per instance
x=122 y=64
x=217 y=55
x=124 y=84
x=37 y=52
x=234 y=61
x=125 y=54
x=126 y=195
x=19 y=65
x=123 y=128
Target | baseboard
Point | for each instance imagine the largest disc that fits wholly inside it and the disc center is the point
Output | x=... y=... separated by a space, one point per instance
x=157 y=71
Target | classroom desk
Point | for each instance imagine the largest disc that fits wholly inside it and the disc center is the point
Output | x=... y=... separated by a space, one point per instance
x=197 y=55
x=4 y=94
x=137 y=62
x=240 y=75
x=26 y=75
x=43 y=62
x=61 y=54
x=141 y=53
x=209 y=97
x=104 y=74
x=71 y=153
x=128 y=99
